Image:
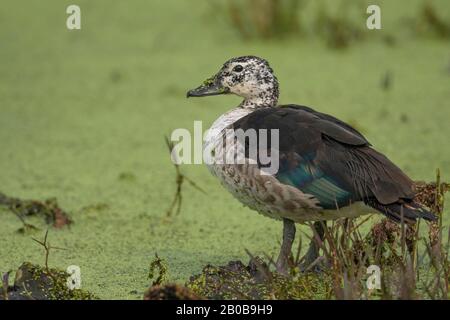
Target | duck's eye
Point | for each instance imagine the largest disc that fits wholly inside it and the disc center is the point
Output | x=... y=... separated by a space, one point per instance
x=238 y=68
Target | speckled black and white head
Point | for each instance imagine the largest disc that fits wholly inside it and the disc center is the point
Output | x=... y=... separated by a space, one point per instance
x=249 y=77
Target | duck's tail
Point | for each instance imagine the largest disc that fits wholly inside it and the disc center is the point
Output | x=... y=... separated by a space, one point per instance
x=409 y=212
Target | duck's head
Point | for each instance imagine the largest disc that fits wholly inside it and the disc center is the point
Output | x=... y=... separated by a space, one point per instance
x=249 y=77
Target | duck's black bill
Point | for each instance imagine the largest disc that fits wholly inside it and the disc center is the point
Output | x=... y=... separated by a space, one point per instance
x=207 y=89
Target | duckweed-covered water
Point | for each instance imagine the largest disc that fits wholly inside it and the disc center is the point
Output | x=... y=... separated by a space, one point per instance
x=83 y=115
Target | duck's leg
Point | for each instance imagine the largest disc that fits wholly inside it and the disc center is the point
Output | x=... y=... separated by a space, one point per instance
x=286 y=247
x=313 y=251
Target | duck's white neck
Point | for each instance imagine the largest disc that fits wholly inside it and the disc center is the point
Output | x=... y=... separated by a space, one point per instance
x=268 y=98
x=228 y=118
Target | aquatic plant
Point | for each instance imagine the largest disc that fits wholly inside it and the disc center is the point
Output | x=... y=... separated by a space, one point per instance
x=175 y=205
x=49 y=209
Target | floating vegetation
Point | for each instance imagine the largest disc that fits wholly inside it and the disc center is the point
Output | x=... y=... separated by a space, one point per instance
x=49 y=209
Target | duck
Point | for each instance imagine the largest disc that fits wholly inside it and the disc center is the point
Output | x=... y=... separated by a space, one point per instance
x=326 y=168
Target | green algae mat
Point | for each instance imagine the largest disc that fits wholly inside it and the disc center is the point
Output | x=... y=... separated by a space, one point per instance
x=83 y=115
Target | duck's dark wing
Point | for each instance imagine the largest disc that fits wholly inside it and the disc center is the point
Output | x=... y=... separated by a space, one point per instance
x=327 y=158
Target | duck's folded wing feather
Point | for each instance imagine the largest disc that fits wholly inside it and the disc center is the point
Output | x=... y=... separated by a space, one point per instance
x=327 y=158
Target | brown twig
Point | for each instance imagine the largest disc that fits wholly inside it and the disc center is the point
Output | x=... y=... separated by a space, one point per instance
x=47 y=247
x=180 y=178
